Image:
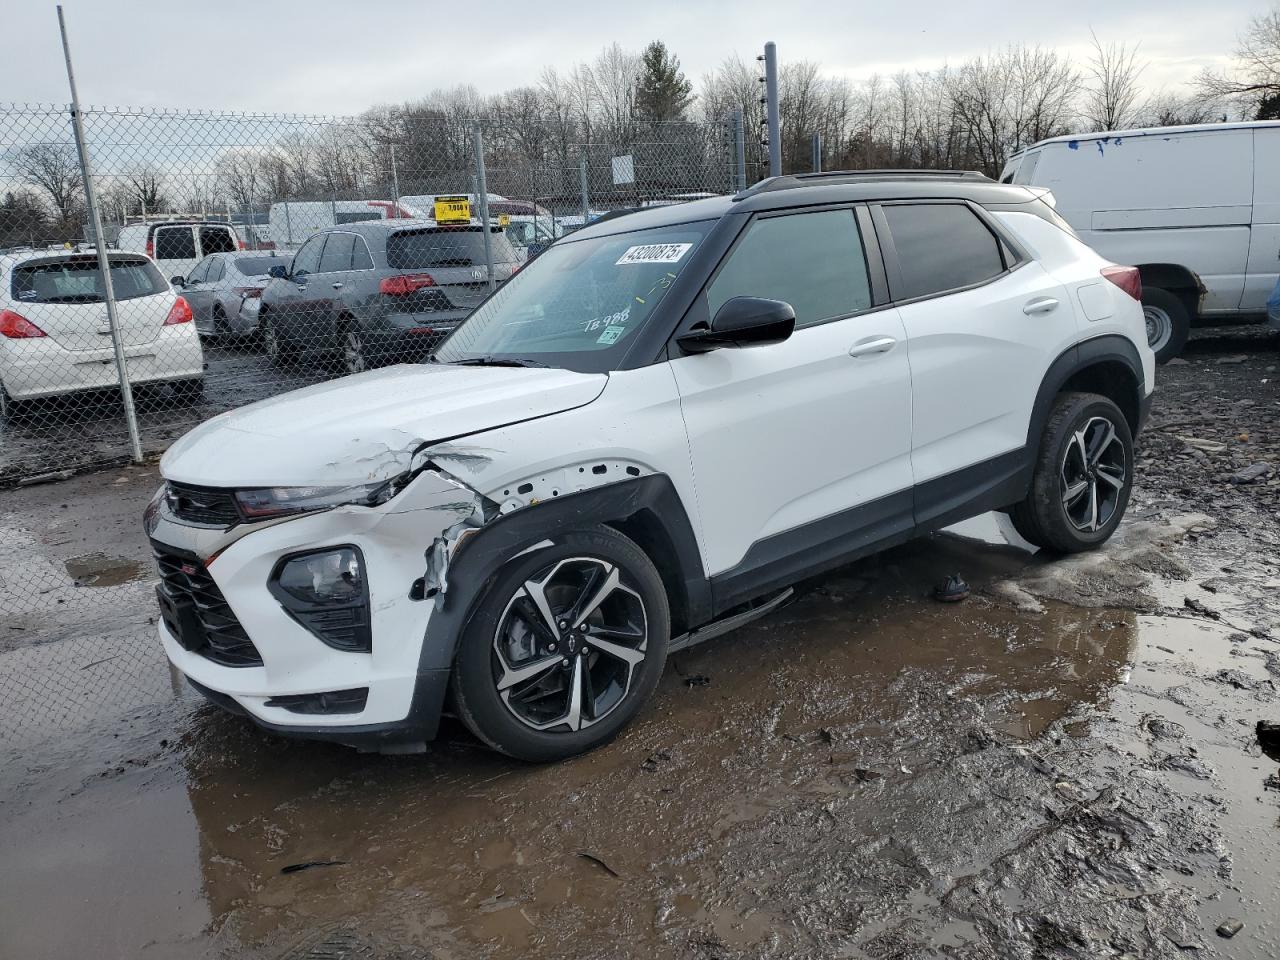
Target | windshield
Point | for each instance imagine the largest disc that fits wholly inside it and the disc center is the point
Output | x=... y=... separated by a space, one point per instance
x=580 y=303
x=445 y=247
x=78 y=281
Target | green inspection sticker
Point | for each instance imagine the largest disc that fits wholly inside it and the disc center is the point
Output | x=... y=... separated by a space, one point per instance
x=611 y=334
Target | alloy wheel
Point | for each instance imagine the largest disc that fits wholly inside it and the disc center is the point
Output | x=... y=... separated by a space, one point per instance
x=353 y=360
x=569 y=644
x=1093 y=474
x=270 y=344
x=1159 y=326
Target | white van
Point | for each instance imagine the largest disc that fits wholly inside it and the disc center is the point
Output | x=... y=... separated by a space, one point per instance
x=178 y=245
x=293 y=222
x=1195 y=208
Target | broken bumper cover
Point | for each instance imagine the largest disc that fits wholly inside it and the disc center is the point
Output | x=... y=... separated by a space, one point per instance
x=400 y=542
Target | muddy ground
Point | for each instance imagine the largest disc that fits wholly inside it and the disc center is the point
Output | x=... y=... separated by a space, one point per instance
x=1063 y=765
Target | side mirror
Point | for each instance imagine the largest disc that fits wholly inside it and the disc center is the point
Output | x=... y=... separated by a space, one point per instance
x=742 y=322
x=178 y=281
x=279 y=272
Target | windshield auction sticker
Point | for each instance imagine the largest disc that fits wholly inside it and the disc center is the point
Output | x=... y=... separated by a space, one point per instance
x=654 y=253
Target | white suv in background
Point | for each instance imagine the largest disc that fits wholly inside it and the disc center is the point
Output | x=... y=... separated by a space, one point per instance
x=641 y=441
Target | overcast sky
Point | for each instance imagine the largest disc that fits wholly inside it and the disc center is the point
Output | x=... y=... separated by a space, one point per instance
x=340 y=56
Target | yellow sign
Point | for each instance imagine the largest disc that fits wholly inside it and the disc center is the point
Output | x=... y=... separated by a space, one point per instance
x=504 y=220
x=453 y=210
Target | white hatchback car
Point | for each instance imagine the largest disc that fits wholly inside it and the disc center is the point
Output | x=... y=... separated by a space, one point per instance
x=54 y=334
x=641 y=441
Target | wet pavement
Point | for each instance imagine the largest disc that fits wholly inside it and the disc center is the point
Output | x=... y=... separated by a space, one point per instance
x=66 y=435
x=1064 y=764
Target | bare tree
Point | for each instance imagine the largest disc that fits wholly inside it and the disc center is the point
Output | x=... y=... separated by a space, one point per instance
x=241 y=177
x=1255 y=75
x=54 y=169
x=1112 y=95
x=144 y=185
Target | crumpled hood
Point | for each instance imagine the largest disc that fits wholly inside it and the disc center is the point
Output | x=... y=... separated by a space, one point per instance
x=366 y=427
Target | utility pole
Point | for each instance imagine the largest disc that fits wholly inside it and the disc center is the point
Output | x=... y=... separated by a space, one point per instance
x=772 y=125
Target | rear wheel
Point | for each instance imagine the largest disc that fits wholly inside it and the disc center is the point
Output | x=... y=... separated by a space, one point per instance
x=564 y=648
x=351 y=342
x=219 y=321
x=1083 y=476
x=1168 y=322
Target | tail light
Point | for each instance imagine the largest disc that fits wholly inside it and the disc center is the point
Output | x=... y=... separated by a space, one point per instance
x=17 y=327
x=1127 y=279
x=180 y=312
x=151 y=248
x=240 y=244
x=249 y=292
x=402 y=286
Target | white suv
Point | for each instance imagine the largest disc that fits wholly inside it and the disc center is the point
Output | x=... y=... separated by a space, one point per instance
x=640 y=442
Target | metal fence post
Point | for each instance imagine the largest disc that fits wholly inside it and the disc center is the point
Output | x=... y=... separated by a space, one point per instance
x=739 y=149
x=771 y=94
x=100 y=248
x=582 y=176
x=817 y=153
x=482 y=192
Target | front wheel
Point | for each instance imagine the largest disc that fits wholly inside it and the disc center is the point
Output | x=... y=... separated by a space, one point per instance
x=274 y=346
x=564 y=648
x=1083 y=476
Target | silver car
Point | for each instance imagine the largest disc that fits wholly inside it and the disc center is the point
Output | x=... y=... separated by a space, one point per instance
x=225 y=291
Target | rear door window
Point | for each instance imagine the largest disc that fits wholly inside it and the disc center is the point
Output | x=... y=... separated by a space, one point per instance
x=813 y=261
x=361 y=259
x=200 y=272
x=175 y=243
x=941 y=247
x=217 y=270
x=78 y=280
x=217 y=240
x=337 y=253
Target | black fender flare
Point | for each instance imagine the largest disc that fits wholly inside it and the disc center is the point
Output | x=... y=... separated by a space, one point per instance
x=653 y=499
x=1108 y=348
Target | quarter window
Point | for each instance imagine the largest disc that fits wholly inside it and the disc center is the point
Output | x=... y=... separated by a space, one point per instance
x=941 y=246
x=813 y=261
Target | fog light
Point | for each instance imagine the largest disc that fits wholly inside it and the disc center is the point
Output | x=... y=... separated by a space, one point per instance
x=326 y=592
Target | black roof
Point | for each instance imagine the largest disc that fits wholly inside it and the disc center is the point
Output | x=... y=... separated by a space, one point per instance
x=802 y=190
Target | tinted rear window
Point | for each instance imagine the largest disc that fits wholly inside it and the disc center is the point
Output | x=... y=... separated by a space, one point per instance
x=941 y=247
x=414 y=249
x=255 y=266
x=176 y=243
x=217 y=240
x=78 y=280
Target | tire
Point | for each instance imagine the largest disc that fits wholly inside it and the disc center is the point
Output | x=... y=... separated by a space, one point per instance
x=1168 y=322
x=532 y=717
x=8 y=406
x=1052 y=516
x=352 y=356
x=219 y=321
x=188 y=391
x=275 y=347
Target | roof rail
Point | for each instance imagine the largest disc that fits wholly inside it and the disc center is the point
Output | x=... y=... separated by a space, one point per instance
x=793 y=180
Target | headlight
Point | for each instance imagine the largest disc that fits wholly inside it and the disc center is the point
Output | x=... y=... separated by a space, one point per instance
x=267 y=502
x=327 y=593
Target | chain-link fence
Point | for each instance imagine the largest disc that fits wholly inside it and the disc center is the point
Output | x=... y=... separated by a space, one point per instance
x=250 y=254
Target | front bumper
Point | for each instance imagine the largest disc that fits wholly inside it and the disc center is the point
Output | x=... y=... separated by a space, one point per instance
x=405 y=680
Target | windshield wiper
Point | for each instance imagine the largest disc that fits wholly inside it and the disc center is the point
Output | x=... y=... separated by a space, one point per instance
x=495 y=362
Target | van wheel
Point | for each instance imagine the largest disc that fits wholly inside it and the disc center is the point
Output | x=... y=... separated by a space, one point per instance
x=1168 y=322
x=1082 y=478
x=565 y=646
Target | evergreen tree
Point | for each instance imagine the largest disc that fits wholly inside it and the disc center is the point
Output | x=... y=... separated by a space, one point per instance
x=662 y=92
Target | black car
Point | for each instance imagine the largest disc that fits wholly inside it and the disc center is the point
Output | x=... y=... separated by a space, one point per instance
x=379 y=292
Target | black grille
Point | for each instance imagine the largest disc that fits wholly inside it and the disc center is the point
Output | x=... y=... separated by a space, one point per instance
x=207 y=505
x=197 y=614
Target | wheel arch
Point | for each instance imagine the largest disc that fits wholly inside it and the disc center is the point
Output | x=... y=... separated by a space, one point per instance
x=1179 y=280
x=1108 y=365
x=645 y=509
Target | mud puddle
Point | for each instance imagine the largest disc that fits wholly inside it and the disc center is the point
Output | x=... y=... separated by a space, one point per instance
x=866 y=773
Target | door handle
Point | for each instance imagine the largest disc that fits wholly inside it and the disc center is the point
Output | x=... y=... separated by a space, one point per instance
x=871 y=345
x=337 y=285
x=1040 y=306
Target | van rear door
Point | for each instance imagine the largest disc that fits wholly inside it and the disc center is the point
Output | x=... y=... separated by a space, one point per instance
x=1264 y=245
